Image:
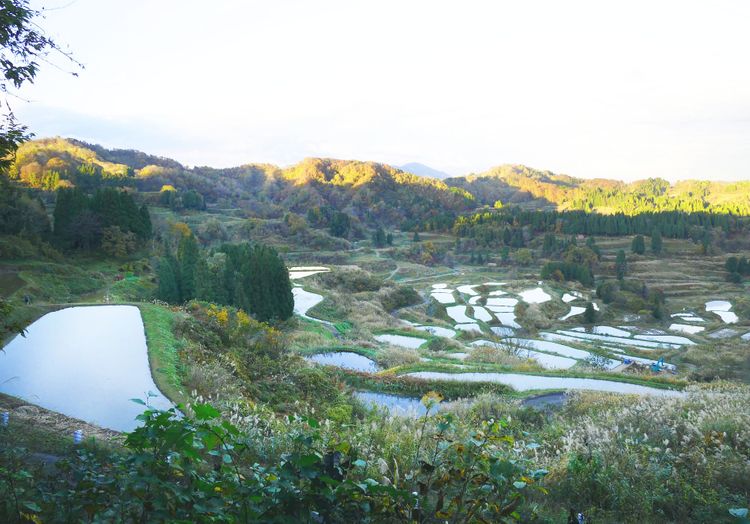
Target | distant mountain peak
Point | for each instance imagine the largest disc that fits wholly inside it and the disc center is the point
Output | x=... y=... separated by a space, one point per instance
x=415 y=168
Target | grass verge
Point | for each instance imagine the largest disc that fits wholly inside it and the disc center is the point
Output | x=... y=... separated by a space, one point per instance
x=416 y=387
x=655 y=382
x=162 y=350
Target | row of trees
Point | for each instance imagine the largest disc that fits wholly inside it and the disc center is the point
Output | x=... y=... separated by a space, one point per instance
x=252 y=277
x=507 y=224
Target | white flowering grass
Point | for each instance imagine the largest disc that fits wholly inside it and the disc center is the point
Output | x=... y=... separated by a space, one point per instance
x=669 y=459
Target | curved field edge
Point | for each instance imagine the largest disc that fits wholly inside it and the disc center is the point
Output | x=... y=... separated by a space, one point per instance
x=413 y=387
x=163 y=347
x=655 y=382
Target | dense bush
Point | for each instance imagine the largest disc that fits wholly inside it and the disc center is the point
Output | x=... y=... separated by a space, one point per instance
x=607 y=291
x=394 y=298
x=736 y=269
x=350 y=280
x=203 y=468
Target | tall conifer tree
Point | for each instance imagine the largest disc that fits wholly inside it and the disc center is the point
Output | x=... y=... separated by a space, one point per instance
x=168 y=290
x=188 y=254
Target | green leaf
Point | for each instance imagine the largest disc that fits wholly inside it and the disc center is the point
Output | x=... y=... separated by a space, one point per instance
x=230 y=428
x=360 y=463
x=33 y=506
x=519 y=484
x=307 y=460
x=740 y=513
x=138 y=401
x=205 y=412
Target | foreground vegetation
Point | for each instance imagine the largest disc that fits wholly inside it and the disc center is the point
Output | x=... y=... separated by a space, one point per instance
x=618 y=459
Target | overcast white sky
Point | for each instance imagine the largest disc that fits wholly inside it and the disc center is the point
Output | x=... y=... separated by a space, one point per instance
x=626 y=89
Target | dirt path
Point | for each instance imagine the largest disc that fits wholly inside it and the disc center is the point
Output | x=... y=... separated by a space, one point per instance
x=29 y=414
x=452 y=272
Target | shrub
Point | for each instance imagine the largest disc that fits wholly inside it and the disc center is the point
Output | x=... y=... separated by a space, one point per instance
x=350 y=280
x=204 y=469
x=504 y=356
x=394 y=298
x=438 y=344
x=393 y=356
x=534 y=316
x=607 y=291
x=211 y=380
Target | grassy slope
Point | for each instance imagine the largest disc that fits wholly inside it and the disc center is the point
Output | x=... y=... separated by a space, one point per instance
x=162 y=350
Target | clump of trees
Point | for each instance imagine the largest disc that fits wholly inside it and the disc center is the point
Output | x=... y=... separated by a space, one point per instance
x=21 y=214
x=381 y=239
x=737 y=268
x=426 y=253
x=109 y=218
x=176 y=200
x=478 y=259
x=569 y=271
x=578 y=263
x=607 y=291
x=252 y=277
x=337 y=222
x=633 y=295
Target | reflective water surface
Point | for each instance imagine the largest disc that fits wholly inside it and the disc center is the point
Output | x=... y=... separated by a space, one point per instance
x=84 y=362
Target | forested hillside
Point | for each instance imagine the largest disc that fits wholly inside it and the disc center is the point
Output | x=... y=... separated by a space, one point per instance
x=368 y=192
x=521 y=184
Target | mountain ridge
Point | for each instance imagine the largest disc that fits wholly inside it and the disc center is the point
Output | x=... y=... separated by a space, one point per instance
x=53 y=162
x=423 y=170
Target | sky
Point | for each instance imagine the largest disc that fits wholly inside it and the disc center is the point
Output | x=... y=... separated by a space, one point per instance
x=625 y=90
